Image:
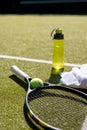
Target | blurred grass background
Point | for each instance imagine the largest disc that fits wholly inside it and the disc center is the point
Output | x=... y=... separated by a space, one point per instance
x=29 y=36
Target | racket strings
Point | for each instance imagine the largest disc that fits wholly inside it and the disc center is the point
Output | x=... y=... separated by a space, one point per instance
x=39 y=93
x=59 y=108
x=51 y=95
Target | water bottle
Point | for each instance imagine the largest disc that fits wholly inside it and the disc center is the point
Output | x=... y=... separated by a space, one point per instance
x=58 y=51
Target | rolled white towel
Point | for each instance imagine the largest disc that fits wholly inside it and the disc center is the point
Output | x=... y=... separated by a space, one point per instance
x=76 y=78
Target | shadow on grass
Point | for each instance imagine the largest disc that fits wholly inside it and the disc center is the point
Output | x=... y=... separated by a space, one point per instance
x=24 y=86
x=54 y=78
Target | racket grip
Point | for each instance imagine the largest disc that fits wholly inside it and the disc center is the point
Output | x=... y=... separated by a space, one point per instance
x=19 y=72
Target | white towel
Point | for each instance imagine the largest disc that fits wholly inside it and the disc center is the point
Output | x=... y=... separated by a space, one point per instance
x=76 y=78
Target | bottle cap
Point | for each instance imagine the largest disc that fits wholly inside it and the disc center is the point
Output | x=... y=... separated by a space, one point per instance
x=56 y=31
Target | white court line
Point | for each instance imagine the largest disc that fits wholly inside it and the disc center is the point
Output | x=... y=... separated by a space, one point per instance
x=35 y=60
x=84 y=126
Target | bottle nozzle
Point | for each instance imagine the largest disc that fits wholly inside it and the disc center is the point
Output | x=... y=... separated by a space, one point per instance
x=59 y=30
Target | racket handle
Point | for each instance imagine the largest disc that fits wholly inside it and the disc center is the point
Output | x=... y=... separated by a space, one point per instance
x=19 y=72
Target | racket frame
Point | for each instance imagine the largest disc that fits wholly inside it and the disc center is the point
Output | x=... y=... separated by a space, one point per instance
x=33 y=117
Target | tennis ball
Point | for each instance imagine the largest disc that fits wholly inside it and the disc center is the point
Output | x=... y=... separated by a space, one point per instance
x=36 y=83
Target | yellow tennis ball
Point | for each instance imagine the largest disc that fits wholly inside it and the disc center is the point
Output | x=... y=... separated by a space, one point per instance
x=36 y=83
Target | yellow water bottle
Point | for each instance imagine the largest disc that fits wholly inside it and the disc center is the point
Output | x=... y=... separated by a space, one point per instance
x=58 y=52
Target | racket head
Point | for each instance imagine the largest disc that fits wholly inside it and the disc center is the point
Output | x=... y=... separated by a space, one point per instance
x=65 y=108
x=57 y=107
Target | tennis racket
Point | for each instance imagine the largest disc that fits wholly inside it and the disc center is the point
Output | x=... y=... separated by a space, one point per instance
x=53 y=107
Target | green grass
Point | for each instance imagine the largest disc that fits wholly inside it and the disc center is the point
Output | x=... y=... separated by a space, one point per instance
x=29 y=36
